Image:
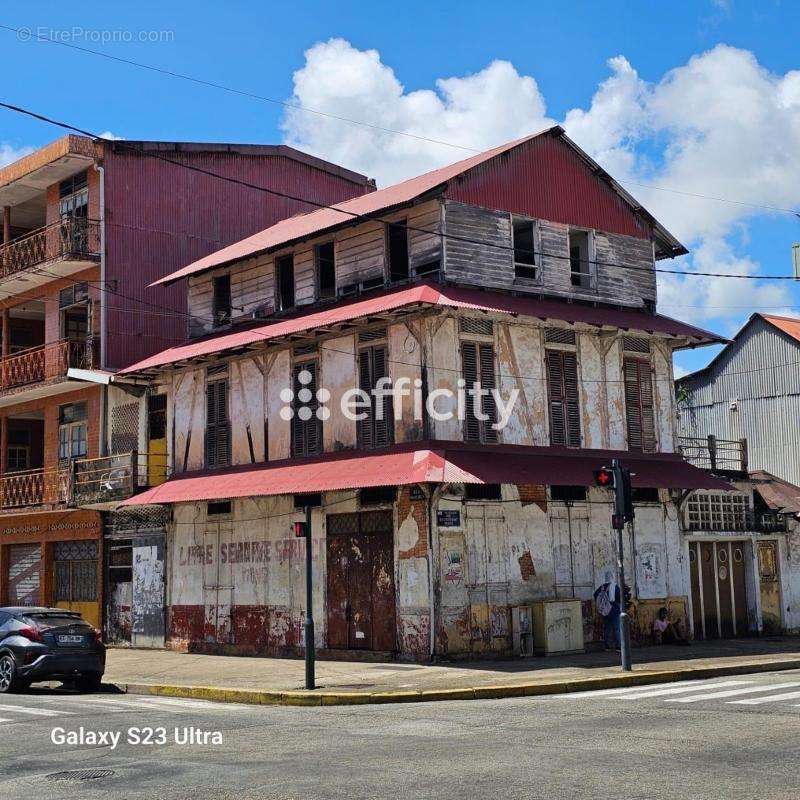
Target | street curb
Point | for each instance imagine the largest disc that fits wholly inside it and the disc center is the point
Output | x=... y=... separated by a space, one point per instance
x=323 y=698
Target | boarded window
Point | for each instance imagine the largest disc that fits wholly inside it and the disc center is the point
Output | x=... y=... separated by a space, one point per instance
x=222 y=300
x=524 y=248
x=639 y=405
x=397 y=245
x=284 y=268
x=218 y=428
x=477 y=369
x=377 y=428
x=306 y=425
x=562 y=393
x=326 y=270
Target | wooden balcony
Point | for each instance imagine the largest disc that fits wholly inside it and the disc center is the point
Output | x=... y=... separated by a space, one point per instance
x=73 y=239
x=46 y=362
x=111 y=479
x=35 y=487
x=717 y=455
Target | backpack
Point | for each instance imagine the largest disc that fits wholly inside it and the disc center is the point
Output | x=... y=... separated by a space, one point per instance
x=603 y=603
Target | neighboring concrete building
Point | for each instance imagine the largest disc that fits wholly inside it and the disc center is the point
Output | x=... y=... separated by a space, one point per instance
x=87 y=225
x=526 y=269
x=749 y=391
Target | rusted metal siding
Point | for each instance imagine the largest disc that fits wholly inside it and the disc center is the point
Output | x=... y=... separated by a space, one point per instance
x=544 y=178
x=160 y=217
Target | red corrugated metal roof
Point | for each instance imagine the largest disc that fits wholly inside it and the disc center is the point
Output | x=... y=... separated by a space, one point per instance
x=778 y=494
x=427 y=294
x=789 y=325
x=426 y=462
x=311 y=224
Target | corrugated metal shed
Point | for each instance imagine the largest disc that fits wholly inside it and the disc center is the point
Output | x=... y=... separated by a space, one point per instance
x=426 y=462
x=427 y=294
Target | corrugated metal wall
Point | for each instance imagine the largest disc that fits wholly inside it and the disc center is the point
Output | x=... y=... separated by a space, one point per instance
x=761 y=372
x=546 y=179
x=160 y=217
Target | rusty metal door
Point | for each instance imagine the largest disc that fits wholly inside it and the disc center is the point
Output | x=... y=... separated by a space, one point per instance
x=719 y=589
x=217 y=586
x=708 y=577
x=148 y=591
x=697 y=606
x=737 y=563
x=360 y=586
x=24 y=564
x=725 y=589
x=769 y=586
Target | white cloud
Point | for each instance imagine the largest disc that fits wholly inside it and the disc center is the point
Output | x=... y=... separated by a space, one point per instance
x=9 y=153
x=720 y=125
x=110 y=136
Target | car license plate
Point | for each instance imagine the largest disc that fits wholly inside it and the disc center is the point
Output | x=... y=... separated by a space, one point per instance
x=70 y=639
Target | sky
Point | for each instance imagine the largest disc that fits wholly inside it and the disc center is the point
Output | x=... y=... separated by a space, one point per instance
x=674 y=99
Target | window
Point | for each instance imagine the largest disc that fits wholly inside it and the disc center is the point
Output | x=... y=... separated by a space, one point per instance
x=18 y=458
x=72 y=432
x=377 y=496
x=222 y=300
x=568 y=494
x=73 y=196
x=75 y=571
x=397 y=245
x=326 y=270
x=524 y=238
x=314 y=500
x=284 y=270
x=73 y=295
x=644 y=495
x=580 y=260
x=377 y=428
x=306 y=425
x=718 y=511
x=639 y=405
x=218 y=508
x=477 y=367
x=218 y=428
x=482 y=491
x=562 y=396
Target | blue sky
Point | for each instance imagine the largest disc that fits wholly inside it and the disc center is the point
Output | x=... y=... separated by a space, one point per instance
x=469 y=75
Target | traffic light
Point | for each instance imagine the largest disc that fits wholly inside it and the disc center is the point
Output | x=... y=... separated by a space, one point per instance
x=300 y=530
x=627 y=495
x=604 y=478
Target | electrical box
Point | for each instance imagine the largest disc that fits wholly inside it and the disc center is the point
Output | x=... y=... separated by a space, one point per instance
x=557 y=627
x=522 y=630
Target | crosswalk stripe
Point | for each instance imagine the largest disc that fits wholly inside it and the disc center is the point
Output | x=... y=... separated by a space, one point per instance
x=612 y=692
x=137 y=704
x=698 y=687
x=755 y=701
x=174 y=701
x=731 y=693
x=3 y=719
x=41 y=712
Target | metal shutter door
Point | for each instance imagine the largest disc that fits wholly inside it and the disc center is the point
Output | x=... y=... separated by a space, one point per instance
x=23 y=575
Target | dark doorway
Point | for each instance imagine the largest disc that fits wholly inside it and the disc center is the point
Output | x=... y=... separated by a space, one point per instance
x=361 y=594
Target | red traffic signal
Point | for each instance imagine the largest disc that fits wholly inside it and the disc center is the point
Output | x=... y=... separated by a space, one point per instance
x=604 y=478
x=300 y=530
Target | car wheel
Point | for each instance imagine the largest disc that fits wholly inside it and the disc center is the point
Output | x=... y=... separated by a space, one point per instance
x=88 y=683
x=8 y=675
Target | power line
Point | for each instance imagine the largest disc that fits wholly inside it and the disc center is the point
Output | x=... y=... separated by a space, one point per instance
x=373 y=217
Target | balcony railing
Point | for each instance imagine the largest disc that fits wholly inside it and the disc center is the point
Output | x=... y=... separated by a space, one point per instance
x=725 y=455
x=46 y=362
x=114 y=478
x=35 y=487
x=73 y=238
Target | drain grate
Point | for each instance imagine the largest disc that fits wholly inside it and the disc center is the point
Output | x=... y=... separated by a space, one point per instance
x=80 y=775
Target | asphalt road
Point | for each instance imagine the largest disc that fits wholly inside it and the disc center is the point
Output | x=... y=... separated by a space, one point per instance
x=724 y=738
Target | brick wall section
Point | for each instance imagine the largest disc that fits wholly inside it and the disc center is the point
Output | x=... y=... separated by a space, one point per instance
x=419 y=510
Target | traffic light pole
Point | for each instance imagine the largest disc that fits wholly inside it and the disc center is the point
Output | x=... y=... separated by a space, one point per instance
x=309 y=628
x=619 y=522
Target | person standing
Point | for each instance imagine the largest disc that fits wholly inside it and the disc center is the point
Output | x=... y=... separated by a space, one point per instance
x=607 y=600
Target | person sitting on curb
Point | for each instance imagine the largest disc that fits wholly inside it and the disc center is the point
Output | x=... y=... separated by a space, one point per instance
x=665 y=631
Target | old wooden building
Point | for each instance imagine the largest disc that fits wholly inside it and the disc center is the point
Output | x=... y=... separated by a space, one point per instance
x=439 y=520
x=87 y=225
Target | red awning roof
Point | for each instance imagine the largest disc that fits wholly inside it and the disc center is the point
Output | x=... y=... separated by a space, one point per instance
x=426 y=294
x=426 y=462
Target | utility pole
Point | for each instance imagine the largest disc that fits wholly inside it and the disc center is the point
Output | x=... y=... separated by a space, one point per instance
x=619 y=479
x=304 y=529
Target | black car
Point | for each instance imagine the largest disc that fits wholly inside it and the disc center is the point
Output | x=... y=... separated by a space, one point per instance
x=42 y=644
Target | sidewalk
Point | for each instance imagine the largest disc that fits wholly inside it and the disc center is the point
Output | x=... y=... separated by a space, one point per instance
x=280 y=681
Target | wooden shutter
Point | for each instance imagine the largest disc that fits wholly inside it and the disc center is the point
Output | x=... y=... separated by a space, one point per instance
x=371 y=431
x=306 y=434
x=218 y=432
x=639 y=405
x=477 y=366
x=562 y=389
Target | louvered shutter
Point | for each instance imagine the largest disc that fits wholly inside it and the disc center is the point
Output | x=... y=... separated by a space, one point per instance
x=218 y=434
x=306 y=434
x=364 y=427
x=562 y=387
x=639 y=405
x=383 y=431
x=486 y=359
x=469 y=371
